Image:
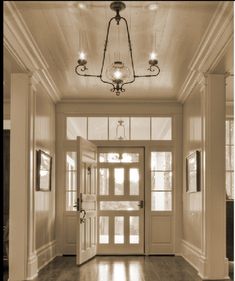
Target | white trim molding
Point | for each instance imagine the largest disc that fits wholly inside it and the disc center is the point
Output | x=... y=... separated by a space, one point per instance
x=204 y=264
x=20 y=43
x=196 y=259
x=214 y=43
x=32 y=267
x=45 y=254
x=190 y=253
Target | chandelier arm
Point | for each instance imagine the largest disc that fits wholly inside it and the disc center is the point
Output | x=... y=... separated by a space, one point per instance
x=86 y=75
x=150 y=75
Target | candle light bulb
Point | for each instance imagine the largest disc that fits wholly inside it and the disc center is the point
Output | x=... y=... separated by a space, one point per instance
x=82 y=56
x=117 y=74
x=153 y=56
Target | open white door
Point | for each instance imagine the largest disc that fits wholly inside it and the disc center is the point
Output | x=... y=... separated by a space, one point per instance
x=86 y=203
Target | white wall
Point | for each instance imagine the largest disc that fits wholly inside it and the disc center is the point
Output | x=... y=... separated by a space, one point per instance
x=192 y=140
x=45 y=201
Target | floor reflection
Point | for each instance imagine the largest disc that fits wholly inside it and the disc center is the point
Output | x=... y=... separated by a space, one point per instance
x=119 y=268
x=119 y=271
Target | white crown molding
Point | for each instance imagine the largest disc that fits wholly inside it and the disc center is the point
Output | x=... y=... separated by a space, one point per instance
x=117 y=101
x=217 y=37
x=48 y=84
x=20 y=43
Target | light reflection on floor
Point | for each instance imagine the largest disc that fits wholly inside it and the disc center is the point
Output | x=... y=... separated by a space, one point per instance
x=119 y=271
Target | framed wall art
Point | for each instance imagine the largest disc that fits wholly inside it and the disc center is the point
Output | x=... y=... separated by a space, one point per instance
x=193 y=172
x=43 y=171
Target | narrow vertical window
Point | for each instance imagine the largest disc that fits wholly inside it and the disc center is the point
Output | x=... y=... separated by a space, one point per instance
x=161 y=181
x=71 y=180
x=104 y=230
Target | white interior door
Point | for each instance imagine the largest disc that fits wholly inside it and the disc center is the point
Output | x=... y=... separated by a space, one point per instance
x=121 y=201
x=86 y=239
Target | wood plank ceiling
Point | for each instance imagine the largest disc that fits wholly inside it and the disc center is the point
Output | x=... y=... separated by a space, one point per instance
x=173 y=29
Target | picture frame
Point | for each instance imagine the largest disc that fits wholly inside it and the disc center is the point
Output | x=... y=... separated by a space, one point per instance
x=43 y=171
x=193 y=172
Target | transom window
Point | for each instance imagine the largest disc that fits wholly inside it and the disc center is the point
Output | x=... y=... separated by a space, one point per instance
x=116 y=128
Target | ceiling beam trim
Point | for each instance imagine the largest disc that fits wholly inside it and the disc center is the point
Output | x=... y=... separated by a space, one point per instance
x=211 y=49
x=21 y=44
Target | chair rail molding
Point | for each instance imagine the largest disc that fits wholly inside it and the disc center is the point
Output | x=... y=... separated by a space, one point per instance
x=214 y=43
x=20 y=43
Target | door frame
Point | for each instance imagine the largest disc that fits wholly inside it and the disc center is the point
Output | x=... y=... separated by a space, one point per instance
x=148 y=147
x=70 y=145
x=101 y=147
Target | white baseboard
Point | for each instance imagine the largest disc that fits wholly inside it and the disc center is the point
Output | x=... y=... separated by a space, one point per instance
x=32 y=267
x=194 y=257
x=191 y=253
x=45 y=254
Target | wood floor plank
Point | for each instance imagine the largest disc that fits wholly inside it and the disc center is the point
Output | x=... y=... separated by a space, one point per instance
x=119 y=268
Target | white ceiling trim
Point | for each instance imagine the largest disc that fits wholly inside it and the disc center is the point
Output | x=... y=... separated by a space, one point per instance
x=116 y=101
x=212 y=47
x=20 y=43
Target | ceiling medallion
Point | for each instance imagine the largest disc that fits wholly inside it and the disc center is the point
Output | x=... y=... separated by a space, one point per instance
x=117 y=74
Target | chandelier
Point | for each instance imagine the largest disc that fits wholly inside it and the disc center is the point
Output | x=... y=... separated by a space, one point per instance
x=117 y=74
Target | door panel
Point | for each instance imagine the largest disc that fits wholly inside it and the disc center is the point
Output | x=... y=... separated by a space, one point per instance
x=87 y=200
x=121 y=201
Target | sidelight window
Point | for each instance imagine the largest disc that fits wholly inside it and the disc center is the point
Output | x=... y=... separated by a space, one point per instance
x=161 y=181
x=71 y=180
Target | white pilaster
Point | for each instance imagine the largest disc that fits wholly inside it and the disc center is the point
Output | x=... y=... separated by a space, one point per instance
x=213 y=264
x=32 y=262
x=22 y=258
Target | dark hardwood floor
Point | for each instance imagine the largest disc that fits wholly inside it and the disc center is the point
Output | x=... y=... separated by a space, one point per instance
x=119 y=268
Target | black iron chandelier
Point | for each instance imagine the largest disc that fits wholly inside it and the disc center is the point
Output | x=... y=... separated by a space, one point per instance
x=117 y=74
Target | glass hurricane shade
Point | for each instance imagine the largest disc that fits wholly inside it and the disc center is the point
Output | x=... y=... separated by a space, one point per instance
x=118 y=72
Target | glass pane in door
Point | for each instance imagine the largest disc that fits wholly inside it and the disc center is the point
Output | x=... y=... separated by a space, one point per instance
x=134 y=181
x=119 y=181
x=134 y=229
x=119 y=230
x=119 y=205
x=104 y=181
